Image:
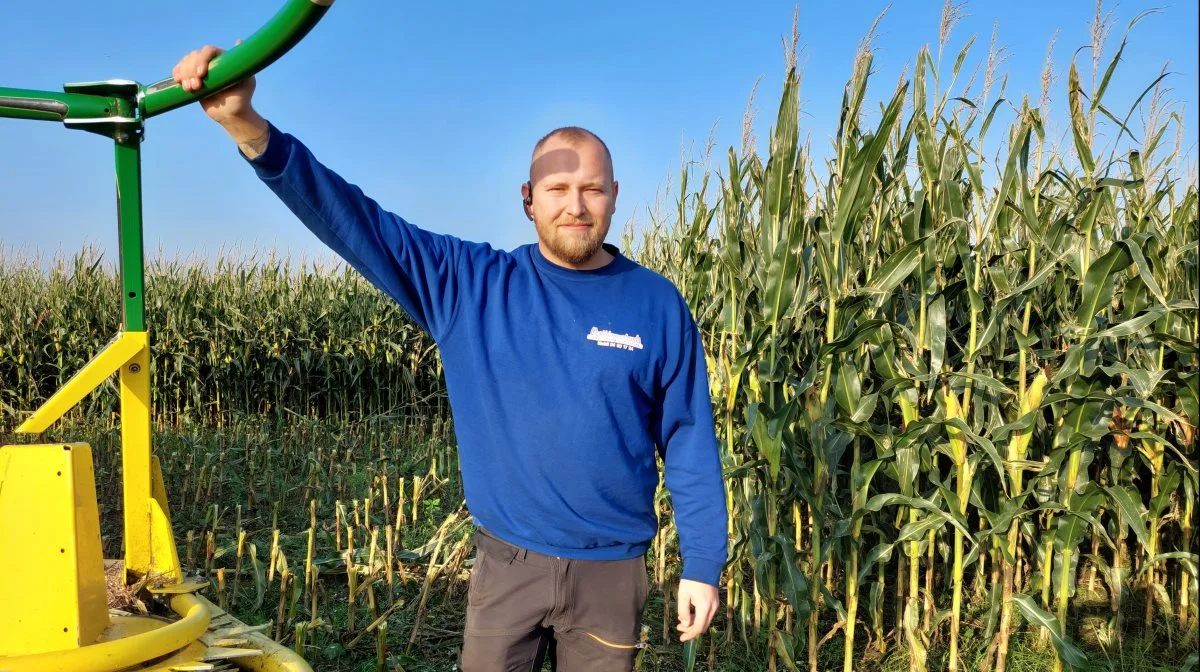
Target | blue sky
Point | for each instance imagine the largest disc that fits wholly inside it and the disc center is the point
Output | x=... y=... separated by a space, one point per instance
x=433 y=108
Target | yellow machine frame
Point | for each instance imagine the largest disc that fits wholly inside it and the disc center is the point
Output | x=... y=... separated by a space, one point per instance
x=149 y=541
x=54 y=612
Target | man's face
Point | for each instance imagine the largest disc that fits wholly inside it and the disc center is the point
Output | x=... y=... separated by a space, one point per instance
x=574 y=197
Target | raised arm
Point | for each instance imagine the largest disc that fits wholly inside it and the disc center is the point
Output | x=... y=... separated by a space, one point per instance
x=231 y=107
x=422 y=270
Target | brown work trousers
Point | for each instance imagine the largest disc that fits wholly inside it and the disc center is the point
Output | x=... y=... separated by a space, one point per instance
x=522 y=606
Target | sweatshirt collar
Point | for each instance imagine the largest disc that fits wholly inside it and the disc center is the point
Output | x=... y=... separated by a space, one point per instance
x=618 y=264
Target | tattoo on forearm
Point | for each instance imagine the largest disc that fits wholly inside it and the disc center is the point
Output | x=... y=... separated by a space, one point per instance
x=255 y=146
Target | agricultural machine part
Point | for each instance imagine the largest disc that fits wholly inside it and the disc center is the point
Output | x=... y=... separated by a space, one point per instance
x=60 y=536
x=49 y=524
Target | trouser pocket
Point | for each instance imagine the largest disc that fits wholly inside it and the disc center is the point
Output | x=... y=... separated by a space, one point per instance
x=507 y=600
x=607 y=599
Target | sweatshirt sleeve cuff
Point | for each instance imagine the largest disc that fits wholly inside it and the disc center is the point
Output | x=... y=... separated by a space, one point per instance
x=703 y=570
x=275 y=157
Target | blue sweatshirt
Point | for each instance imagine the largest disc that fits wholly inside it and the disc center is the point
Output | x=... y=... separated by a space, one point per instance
x=562 y=383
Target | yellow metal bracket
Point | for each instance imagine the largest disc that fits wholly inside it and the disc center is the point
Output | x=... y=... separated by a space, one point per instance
x=149 y=543
x=114 y=355
x=51 y=568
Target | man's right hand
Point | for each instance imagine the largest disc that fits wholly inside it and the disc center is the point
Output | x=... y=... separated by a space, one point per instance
x=231 y=107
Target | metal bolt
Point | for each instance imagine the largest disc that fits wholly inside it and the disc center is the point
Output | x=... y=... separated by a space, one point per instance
x=134 y=368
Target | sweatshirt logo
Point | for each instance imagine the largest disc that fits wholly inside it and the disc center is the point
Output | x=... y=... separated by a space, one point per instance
x=608 y=339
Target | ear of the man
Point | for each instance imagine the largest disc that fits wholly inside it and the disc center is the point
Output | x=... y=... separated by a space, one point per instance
x=526 y=199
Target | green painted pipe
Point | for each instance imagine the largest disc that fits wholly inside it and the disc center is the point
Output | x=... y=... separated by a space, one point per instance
x=51 y=106
x=289 y=25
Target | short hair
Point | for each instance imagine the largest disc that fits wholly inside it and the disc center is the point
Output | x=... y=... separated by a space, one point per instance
x=573 y=135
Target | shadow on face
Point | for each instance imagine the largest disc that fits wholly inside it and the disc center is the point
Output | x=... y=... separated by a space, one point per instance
x=568 y=160
x=561 y=160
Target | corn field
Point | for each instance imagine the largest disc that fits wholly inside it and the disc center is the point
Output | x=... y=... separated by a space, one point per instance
x=246 y=336
x=939 y=376
x=955 y=390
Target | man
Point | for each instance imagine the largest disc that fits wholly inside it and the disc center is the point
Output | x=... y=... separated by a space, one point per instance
x=568 y=365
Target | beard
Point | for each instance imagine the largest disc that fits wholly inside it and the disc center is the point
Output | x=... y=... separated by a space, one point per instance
x=574 y=247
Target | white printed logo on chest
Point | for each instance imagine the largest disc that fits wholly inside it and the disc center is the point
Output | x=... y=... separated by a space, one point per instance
x=608 y=339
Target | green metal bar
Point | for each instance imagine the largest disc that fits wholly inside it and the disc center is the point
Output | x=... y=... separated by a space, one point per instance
x=51 y=106
x=289 y=25
x=121 y=117
x=129 y=230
